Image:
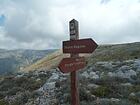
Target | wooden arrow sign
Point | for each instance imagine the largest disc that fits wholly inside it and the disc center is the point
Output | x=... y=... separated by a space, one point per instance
x=79 y=46
x=72 y=64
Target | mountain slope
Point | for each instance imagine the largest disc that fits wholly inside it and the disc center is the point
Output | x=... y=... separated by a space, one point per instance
x=116 y=52
x=48 y=62
x=108 y=79
x=12 y=60
x=102 y=53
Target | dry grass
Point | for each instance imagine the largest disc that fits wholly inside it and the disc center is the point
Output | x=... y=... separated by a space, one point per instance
x=102 y=53
x=48 y=62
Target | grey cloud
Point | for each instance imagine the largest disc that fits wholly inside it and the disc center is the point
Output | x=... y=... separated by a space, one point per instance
x=29 y=24
x=105 y=1
x=44 y=23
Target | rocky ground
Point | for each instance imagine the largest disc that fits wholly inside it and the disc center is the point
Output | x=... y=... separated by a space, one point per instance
x=103 y=83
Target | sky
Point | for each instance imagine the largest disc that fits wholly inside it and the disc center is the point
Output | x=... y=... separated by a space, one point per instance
x=44 y=24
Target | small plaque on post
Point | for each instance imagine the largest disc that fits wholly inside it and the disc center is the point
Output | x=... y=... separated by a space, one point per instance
x=74 y=33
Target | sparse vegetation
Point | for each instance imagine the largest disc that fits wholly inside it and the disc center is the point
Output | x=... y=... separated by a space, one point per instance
x=116 y=52
x=3 y=102
x=111 y=78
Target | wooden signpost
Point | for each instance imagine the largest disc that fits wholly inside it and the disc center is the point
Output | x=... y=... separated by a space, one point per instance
x=75 y=46
x=72 y=64
x=79 y=46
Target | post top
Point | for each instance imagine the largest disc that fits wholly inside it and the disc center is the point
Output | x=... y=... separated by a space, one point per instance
x=73 y=20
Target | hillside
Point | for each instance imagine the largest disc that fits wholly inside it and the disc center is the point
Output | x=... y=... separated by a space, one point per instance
x=116 y=52
x=12 y=60
x=102 y=53
x=48 y=62
x=104 y=83
x=112 y=77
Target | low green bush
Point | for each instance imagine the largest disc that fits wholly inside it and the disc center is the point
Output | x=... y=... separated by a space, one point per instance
x=3 y=102
x=101 y=91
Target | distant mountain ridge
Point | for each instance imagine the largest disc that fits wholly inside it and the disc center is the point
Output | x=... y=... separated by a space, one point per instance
x=30 y=60
x=12 y=60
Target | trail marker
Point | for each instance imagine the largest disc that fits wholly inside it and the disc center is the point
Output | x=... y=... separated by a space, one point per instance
x=79 y=46
x=74 y=63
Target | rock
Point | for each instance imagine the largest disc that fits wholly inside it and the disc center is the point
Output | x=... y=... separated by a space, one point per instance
x=135 y=97
x=102 y=74
x=121 y=74
x=85 y=74
x=54 y=75
x=20 y=97
x=137 y=65
x=130 y=73
x=124 y=68
x=110 y=74
x=49 y=90
x=91 y=68
x=138 y=70
x=137 y=62
x=107 y=101
x=126 y=84
x=93 y=75
x=93 y=86
x=19 y=75
x=49 y=86
x=38 y=79
x=115 y=100
x=132 y=94
x=138 y=94
x=48 y=95
x=105 y=64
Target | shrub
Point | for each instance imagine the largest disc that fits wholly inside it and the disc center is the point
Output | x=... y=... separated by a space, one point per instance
x=2 y=95
x=14 y=90
x=101 y=91
x=3 y=102
x=134 y=99
x=135 y=88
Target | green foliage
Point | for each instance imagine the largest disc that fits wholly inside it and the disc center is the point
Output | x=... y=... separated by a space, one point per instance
x=1 y=95
x=85 y=95
x=135 y=88
x=101 y=91
x=134 y=99
x=28 y=83
x=14 y=90
x=3 y=102
x=111 y=87
x=7 y=83
x=115 y=52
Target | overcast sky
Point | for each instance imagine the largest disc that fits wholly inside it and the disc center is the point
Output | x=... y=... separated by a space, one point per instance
x=43 y=24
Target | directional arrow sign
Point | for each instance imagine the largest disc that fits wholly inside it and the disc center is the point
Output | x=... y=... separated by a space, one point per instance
x=79 y=46
x=72 y=64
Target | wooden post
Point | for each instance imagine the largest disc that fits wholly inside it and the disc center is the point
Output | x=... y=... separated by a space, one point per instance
x=74 y=35
x=75 y=46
